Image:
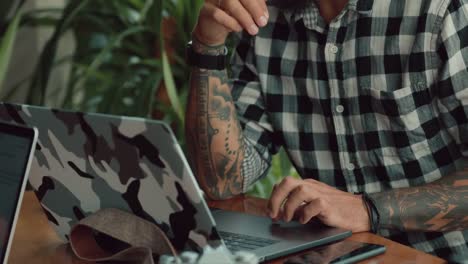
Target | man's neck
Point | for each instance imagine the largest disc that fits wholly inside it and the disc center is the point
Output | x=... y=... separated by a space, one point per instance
x=329 y=9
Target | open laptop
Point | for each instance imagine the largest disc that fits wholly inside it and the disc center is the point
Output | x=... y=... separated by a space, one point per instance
x=86 y=162
x=17 y=145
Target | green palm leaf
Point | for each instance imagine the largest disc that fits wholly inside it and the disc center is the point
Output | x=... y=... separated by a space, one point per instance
x=6 y=47
x=171 y=88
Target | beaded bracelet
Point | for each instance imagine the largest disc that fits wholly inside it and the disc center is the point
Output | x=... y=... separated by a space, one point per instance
x=374 y=216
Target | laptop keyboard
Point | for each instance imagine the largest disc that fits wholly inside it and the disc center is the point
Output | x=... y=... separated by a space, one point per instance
x=238 y=242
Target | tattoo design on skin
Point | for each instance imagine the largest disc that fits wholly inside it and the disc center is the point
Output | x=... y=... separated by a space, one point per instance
x=220 y=109
x=216 y=145
x=441 y=206
x=208 y=50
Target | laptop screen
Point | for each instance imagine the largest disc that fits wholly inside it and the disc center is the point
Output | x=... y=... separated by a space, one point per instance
x=15 y=148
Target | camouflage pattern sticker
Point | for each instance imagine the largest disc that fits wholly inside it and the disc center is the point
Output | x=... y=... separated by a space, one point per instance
x=85 y=162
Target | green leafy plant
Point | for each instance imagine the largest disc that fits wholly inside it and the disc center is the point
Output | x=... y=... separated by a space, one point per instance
x=129 y=60
x=7 y=41
x=122 y=59
x=6 y=47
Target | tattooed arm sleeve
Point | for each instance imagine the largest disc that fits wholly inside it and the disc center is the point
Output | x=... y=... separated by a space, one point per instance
x=214 y=135
x=222 y=130
x=442 y=205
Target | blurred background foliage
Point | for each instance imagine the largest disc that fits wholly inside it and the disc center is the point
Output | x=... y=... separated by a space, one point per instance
x=128 y=59
x=8 y=29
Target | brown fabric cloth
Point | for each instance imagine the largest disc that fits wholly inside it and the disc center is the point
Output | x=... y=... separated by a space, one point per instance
x=144 y=238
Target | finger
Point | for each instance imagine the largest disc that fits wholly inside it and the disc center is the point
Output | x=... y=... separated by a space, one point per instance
x=237 y=11
x=311 y=210
x=257 y=11
x=221 y=17
x=280 y=194
x=279 y=216
x=263 y=3
x=272 y=191
x=297 y=198
x=298 y=212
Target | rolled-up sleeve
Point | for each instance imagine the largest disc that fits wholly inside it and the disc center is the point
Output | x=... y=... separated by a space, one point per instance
x=250 y=105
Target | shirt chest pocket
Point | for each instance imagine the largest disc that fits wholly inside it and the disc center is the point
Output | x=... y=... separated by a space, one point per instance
x=403 y=120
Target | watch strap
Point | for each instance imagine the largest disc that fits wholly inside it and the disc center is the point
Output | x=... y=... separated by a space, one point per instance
x=205 y=61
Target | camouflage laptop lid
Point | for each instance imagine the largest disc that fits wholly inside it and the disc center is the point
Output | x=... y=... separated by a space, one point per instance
x=85 y=162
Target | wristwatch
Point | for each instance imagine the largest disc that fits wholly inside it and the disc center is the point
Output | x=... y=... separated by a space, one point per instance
x=203 y=61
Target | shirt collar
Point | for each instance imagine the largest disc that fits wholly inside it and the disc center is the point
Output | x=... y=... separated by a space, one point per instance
x=308 y=11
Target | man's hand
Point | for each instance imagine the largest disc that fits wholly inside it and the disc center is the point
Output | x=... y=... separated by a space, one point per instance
x=220 y=17
x=307 y=199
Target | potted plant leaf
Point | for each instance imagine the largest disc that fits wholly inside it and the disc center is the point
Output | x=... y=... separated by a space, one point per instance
x=129 y=60
x=8 y=30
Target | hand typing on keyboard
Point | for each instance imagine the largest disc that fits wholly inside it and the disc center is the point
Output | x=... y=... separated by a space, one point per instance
x=308 y=199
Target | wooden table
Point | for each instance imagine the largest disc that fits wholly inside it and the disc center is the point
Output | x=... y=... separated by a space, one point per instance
x=36 y=242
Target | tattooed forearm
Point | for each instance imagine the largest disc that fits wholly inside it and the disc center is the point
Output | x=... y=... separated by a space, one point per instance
x=214 y=134
x=439 y=206
x=213 y=50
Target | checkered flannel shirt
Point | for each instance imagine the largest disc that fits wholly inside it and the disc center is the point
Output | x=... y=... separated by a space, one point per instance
x=376 y=100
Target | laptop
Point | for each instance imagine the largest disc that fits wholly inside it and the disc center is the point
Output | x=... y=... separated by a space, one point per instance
x=17 y=145
x=86 y=162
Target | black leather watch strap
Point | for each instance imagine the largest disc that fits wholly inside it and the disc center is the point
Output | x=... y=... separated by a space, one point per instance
x=203 y=61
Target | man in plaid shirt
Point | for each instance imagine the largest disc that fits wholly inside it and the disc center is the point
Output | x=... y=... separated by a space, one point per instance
x=368 y=97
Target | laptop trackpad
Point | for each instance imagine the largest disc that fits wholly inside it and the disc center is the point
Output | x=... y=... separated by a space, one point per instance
x=264 y=227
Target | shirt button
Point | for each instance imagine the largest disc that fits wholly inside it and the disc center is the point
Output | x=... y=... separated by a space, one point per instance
x=350 y=167
x=333 y=49
x=339 y=109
